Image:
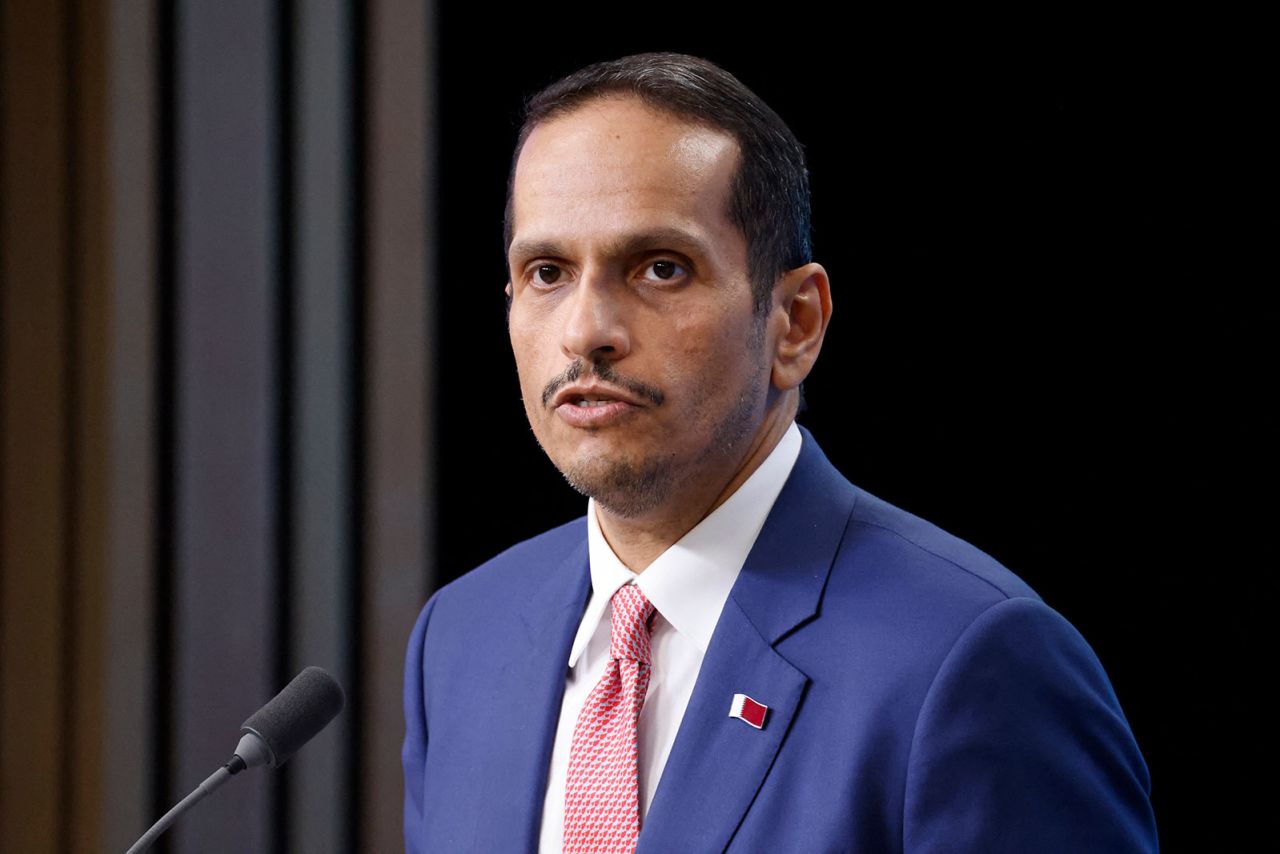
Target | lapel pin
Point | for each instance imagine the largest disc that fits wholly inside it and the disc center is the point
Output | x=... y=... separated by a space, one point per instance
x=746 y=709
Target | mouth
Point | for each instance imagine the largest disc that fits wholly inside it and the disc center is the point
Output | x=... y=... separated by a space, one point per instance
x=584 y=403
x=594 y=407
x=592 y=397
x=597 y=387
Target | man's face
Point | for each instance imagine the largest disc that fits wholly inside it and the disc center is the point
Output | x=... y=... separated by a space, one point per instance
x=641 y=362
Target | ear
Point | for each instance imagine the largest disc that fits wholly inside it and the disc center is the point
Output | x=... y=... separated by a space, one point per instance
x=801 y=311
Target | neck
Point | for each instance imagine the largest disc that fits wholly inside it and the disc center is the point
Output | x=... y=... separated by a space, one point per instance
x=639 y=540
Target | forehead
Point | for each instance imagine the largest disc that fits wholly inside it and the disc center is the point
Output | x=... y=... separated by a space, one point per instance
x=616 y=165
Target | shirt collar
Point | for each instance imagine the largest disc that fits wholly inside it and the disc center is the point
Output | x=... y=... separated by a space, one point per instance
x=690 y=581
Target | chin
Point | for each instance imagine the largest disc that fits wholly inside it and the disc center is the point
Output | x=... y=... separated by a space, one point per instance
x=624 y=488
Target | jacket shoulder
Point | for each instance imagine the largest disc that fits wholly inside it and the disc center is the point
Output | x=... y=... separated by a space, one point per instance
x=895 y=550
x=924 y=544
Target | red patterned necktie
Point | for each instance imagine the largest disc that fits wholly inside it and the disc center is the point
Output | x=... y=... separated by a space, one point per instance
x=602 y=798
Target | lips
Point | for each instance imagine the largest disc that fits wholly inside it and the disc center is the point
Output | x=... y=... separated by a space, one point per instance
x=596 y=415
x=593 y=406
x=592 y=397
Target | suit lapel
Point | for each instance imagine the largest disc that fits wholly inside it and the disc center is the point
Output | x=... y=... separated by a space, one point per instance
x=526 y=707
x=718 y=763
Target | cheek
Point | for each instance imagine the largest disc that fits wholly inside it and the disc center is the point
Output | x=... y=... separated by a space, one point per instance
x=683 y=350
x=528 y=357
x=534 y=330
x=707 y=362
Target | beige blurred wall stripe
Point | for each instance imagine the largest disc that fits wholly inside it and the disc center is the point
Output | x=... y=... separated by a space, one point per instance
x=87 y=570
x=397 y=538
x=33 y=465
x=128 y=718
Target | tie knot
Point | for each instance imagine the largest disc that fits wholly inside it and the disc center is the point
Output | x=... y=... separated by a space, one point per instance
x=631 y=612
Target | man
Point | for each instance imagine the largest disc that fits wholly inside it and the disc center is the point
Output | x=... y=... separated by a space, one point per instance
x=735 y=648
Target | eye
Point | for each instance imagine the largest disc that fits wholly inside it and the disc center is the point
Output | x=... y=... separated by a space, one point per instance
x=546 y=274
x=665 y=269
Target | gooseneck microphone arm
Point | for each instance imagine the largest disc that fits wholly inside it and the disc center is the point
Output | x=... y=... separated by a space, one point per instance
x=216 y=779
x=269 y=737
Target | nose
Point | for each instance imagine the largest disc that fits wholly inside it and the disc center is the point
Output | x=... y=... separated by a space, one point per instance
x=596 y=324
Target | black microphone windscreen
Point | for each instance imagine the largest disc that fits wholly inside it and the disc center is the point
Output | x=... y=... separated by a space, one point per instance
x=295 y=715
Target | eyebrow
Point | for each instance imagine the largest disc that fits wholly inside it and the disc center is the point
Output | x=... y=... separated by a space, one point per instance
x=628 y=244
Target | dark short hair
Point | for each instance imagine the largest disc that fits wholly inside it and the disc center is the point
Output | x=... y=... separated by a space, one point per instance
x=769 y=195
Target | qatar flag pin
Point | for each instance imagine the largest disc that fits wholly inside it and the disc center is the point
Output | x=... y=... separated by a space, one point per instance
x=746 y=709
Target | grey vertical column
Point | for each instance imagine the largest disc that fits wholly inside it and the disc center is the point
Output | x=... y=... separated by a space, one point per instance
x=131 y=283
x=397 y=535
x=320 y=574
x=224 y=654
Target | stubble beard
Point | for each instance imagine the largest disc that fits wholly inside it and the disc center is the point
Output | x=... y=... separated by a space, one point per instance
x=630 y=488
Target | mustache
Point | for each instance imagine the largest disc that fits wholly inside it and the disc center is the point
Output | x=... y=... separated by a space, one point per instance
x=605 y=372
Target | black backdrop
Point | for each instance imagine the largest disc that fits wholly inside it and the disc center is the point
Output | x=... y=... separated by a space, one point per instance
x=1049 y=257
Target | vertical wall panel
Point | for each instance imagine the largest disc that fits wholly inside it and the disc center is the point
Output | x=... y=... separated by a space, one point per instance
x=396 y=534
x=212 y=276
x=226 y=397
x=87 y=576
x=131 y=434
x=34 y=495
x=321 y=612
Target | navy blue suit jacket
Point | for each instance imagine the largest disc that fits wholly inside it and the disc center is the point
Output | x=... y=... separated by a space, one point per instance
x=921 y=697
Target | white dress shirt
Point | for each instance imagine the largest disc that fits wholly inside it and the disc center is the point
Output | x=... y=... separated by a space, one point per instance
x=688 y=585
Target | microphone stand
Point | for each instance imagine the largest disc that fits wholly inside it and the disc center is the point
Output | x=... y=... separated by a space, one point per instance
x=216 y=779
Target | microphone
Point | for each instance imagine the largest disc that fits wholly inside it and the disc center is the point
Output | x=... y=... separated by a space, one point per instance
x=291 y=719
x=270 y=736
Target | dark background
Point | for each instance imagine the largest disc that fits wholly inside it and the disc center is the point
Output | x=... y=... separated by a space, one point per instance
x=1049 y=258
